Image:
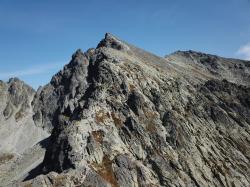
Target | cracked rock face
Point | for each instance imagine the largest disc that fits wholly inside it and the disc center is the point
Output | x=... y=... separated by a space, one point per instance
x=120 y=116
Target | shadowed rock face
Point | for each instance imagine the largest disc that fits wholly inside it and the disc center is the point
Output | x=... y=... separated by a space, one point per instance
x=120 y=116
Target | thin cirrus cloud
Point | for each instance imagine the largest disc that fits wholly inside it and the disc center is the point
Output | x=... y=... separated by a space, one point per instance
x=244 y=51
x=36 y=70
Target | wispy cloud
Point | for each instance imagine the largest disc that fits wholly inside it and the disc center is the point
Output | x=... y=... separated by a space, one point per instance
x=35 y=70
x=244 y=51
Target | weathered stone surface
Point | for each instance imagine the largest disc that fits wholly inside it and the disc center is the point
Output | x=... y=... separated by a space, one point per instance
x=120 y=116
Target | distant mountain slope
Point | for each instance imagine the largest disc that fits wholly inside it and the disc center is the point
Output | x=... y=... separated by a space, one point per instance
x=18 y=132
x=211 y=66
x=121 y=116
x=17 y=129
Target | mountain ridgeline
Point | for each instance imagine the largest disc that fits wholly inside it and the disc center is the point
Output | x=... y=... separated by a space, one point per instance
x=117 y=115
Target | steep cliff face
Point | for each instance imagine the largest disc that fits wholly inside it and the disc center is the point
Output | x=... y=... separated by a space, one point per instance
x=120 y=116
x=125 y=117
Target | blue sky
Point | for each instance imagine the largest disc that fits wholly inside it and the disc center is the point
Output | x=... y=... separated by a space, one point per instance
x=38 y=37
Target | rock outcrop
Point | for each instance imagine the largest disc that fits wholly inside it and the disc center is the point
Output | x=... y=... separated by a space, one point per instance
x=120 y=116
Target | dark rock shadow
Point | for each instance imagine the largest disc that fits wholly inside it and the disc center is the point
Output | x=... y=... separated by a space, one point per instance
x=44 y=143
x=34 y=172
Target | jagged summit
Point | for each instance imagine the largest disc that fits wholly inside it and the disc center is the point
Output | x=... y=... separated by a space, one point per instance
x=14 y=79
x=113 y=42
x=77 y=58
x=77 y=53
x=121 y=116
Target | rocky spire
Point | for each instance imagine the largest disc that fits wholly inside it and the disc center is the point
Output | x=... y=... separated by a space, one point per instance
x=113 y=42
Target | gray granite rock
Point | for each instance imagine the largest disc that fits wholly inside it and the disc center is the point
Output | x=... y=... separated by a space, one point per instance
x=120 y=116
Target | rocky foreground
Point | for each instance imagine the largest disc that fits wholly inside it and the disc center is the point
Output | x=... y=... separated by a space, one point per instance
x=120 y=116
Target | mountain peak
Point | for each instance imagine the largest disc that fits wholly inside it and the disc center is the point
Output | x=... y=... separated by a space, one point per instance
x=14 y=79
x=77 y=58
x=77 y=53
x=121 y=116
x=111 y=41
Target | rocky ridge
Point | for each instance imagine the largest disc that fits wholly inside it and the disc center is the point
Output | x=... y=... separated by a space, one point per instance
x=120 y=116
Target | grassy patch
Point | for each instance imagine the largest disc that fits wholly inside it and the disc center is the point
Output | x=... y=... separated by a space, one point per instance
x=131 y=87
x=28 y=184
x=101 y=116
x=5 y=158
x=59 y=181
x=19 y=115
x=105 y=170
x=150 y=121
x=98 y=136
x=117 y=120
